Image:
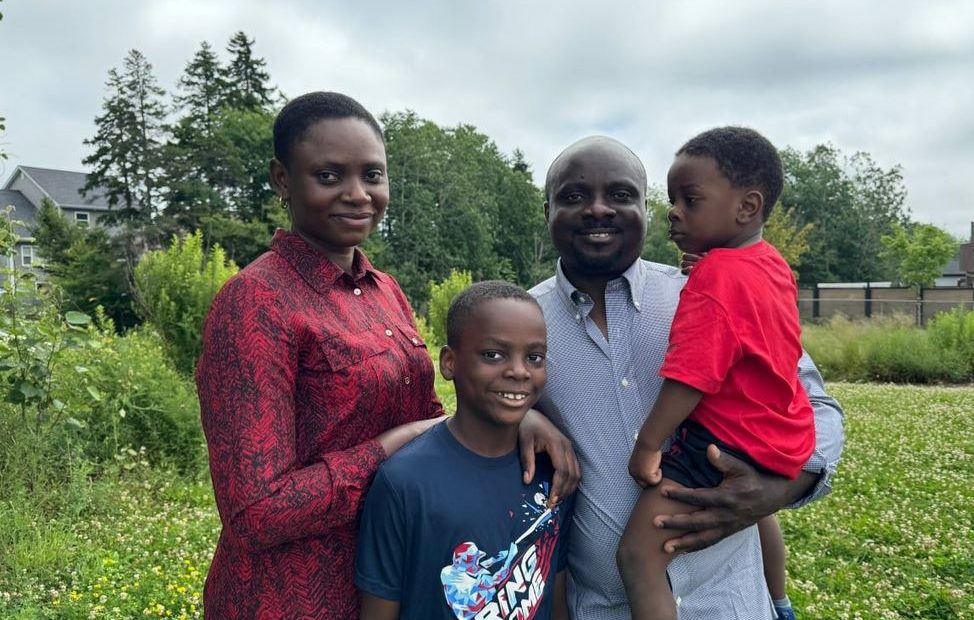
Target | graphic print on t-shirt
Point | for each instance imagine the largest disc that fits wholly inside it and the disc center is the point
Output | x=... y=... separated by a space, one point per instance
x=510 y=584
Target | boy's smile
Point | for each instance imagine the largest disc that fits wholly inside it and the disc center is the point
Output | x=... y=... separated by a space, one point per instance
x=498 y=367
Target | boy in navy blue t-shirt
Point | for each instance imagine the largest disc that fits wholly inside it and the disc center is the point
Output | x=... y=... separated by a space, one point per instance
x=449 y=529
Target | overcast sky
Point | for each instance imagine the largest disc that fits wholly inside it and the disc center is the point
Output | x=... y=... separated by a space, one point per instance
x=892 y=78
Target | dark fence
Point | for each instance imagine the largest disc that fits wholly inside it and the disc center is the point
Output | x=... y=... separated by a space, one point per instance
x=823 y=302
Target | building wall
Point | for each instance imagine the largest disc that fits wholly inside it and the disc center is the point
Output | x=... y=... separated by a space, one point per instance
x=27 y=187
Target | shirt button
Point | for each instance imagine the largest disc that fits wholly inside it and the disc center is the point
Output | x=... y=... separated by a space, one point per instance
x=578 y=317
x=625 y=382
x=357 y=291
x=416 y=342
x=388 y=332
x=407 y=380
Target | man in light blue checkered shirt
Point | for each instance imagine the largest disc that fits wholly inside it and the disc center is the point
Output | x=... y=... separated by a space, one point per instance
x=608 y=314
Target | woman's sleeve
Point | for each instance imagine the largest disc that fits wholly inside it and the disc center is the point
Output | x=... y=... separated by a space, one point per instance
x=246 y=383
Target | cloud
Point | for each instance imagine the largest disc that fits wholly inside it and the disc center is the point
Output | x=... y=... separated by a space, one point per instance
x=890 y=78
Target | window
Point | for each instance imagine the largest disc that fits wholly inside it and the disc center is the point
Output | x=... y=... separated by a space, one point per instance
x=81 y=219
x=26 y=255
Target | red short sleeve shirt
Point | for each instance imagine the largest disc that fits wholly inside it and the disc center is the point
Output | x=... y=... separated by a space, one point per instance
x=736 y=337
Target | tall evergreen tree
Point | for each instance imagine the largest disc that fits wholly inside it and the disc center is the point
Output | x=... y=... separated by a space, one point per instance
x=114 y=171
x=202 y=89
x=127 y=143
x=195 y=162
x=246 y=76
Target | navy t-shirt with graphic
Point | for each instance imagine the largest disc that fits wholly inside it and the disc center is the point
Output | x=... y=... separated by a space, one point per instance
x=452 y=534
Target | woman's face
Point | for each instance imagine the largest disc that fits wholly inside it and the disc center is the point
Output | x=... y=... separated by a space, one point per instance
x=336 y=184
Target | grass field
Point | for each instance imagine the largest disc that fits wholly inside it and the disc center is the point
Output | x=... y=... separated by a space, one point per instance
x=895 y=539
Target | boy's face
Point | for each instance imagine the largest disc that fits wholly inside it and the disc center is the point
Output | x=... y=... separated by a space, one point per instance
x=706 y=209
x=498 y=364
x=596 y=212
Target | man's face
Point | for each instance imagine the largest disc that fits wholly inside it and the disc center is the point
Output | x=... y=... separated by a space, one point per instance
x=596 y=209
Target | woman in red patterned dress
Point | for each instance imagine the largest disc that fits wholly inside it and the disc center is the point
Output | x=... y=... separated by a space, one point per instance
x=313 y=373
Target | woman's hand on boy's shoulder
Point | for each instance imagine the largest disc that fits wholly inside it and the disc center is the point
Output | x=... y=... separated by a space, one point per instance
x=537 y=434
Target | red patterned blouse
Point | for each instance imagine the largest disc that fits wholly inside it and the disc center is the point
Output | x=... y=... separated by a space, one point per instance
x=302 y=367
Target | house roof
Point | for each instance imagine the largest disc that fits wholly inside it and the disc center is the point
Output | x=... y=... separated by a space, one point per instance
x=64 y=188
x=23 y=211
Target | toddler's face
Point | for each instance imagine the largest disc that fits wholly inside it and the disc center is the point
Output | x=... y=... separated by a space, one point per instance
x=705 y=206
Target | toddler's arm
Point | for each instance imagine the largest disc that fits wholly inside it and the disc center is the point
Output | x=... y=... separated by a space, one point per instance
x=675 y=402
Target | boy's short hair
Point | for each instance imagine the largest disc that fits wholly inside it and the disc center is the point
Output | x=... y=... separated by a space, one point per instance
x=744 y=157
x=467 y=301
x=304 y=111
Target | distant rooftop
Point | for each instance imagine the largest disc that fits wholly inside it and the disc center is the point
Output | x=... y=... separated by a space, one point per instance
x=64 y=187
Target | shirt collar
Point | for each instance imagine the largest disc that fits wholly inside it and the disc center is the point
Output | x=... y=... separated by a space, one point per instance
x=313 y=267
x=634 y=277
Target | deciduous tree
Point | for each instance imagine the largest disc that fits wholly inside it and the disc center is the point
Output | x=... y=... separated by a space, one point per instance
x=851 y=202
x=919 y=252
x=658 y=247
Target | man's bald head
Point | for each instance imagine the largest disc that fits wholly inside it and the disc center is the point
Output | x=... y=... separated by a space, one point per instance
x=605 y=144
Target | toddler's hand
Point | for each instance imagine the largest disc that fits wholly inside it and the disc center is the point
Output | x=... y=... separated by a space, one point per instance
x=689 y=261
x=644 y=465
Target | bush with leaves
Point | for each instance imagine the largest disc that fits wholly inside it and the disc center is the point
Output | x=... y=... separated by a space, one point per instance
x=175 y=289
x=38 y=427
x=954 y=332
x=129 y=398
x=893 y=349
x=441 y=295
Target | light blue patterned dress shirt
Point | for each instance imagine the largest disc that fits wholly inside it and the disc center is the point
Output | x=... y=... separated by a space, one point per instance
x=599 y=392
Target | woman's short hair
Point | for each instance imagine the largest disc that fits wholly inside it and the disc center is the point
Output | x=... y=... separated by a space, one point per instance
x=304 y=111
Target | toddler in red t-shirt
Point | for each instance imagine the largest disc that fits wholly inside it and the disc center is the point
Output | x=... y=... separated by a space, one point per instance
x=730 y=373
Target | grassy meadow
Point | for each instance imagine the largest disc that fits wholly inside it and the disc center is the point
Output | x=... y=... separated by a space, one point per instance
x=895 y=539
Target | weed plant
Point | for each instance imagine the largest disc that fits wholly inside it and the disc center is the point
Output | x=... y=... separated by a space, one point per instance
x=892 y=350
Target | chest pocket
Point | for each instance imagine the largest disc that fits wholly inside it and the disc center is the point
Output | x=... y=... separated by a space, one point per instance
x=341 y=353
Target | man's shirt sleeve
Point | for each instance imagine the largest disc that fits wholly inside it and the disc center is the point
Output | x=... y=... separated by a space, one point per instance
x=829 y=433
x=382 y=542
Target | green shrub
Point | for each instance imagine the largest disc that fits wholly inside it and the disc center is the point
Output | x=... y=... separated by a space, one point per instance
x=441 y=295
x=954 y=331
x=908 y=355
x=175 y=289
x=892 y=349
x=131 y=399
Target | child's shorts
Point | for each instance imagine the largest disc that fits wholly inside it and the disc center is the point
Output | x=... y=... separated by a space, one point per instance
x=686 y=461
